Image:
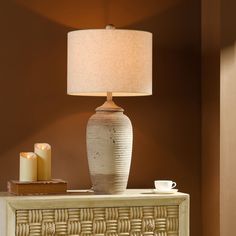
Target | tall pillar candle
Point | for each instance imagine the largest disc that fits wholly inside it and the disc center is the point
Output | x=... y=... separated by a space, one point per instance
x=43 y=152
x=28 y=166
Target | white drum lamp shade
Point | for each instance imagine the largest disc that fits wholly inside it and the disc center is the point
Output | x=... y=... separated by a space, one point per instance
x=109 y=62
x=117 y=61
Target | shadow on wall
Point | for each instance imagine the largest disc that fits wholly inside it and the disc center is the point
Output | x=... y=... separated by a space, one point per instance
x=35 y=107
x=84 y=14
x=228 y=29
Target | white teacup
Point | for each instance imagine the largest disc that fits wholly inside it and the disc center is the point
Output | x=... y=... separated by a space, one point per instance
x=164 y=185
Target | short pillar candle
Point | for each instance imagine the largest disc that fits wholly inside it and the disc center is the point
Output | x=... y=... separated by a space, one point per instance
x=43 y=152
x=28 y=166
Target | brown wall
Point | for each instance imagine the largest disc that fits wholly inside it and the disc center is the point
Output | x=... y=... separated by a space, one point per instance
x=218 y=117
x=35 y=107
x=210 y=117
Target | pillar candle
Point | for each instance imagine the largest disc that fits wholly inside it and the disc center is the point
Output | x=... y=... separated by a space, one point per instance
x=43 y=152
x=28 y=166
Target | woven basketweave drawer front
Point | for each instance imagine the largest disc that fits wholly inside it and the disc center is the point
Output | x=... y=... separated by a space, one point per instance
x=107 y=221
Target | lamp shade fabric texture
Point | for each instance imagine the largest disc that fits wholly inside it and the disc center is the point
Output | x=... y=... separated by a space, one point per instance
x=109 y=60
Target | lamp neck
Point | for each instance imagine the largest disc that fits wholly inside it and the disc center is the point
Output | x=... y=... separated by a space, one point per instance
x=109 y=96
x=109 y=105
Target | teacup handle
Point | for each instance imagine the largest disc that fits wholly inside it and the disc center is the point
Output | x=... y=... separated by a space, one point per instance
x=173 y=185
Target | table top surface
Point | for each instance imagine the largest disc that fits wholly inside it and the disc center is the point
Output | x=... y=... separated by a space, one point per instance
x=83 y=194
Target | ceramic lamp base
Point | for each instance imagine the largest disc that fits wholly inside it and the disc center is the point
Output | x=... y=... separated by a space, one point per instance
x=109 y=148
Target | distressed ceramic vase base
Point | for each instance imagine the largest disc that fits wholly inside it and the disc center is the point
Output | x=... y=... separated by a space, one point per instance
x=109 y=148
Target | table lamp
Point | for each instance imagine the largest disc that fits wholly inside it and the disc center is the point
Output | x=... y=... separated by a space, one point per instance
x=113 y=63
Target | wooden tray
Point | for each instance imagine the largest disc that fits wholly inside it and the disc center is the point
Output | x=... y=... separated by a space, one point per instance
x=54 y=186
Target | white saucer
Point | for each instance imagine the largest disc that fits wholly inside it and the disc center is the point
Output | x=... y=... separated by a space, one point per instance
x=174 y=190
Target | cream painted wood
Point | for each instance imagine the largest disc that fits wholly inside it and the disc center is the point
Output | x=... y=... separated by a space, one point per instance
x=13 y=209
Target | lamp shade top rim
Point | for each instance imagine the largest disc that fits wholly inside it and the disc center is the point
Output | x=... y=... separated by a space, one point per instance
x=107 y=30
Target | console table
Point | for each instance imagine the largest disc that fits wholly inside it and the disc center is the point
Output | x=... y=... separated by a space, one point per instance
x=136 y=213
